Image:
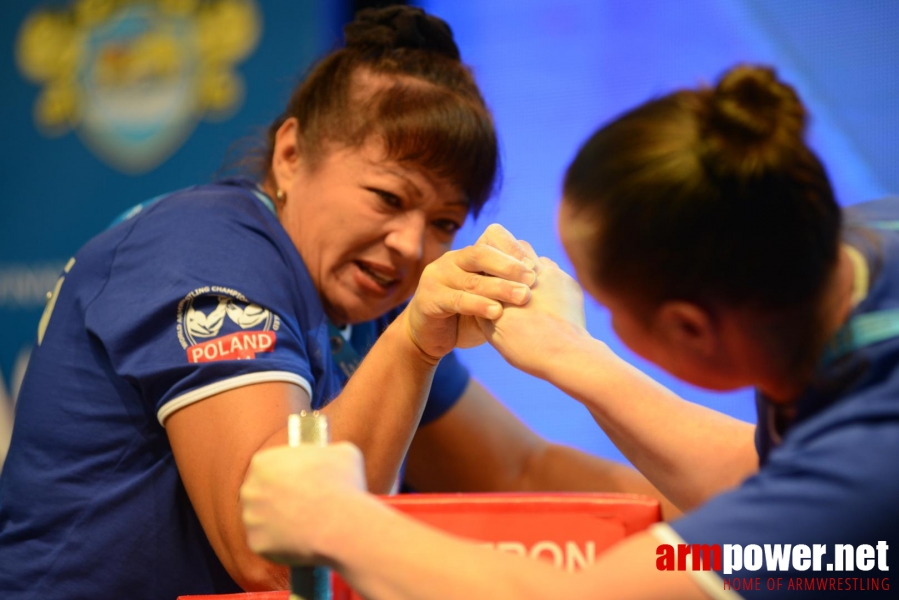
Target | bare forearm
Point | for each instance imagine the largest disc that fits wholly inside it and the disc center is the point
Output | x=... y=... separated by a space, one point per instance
x=554 y=467
x=687 y=451
x=381 y=405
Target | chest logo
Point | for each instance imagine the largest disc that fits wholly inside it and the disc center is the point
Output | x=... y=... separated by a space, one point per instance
x=218 y=323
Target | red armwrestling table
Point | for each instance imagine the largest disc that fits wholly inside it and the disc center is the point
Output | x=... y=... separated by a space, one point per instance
x=568 y=530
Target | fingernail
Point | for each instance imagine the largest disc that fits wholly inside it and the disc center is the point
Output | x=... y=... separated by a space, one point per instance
x=494 y=311
x=530 y=264
x=520 y=293
x=530 y=278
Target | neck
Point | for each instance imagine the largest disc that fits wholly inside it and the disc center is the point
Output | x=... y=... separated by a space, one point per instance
x=269 y=189
x=843 y=293
x=784 y=384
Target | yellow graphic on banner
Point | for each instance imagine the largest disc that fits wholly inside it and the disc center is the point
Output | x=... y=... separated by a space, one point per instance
x=133 y=77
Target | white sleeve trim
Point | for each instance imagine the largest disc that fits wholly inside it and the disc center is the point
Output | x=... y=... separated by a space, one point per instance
x=176 y=404
x=710 y=582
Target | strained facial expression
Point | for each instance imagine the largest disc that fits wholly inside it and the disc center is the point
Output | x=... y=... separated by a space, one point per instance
x=366 y=227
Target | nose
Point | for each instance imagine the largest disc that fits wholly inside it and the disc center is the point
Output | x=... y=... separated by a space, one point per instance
x=407 y=235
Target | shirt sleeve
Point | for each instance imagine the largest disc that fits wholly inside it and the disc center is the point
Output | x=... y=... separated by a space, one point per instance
x=838 y=487
x=199 y=300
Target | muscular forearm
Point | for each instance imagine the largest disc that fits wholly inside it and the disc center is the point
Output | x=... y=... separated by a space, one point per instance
x=685 y=450
x=556 y=467
x=381 y=405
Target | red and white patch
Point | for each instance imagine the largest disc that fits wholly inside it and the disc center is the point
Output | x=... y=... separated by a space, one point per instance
x=242 y=345
x=220 y=323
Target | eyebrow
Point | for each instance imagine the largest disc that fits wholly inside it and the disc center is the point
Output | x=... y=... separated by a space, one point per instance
x=380 y=167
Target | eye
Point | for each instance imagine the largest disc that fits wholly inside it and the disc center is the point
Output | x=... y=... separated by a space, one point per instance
x=391 y=200
x=447 y=225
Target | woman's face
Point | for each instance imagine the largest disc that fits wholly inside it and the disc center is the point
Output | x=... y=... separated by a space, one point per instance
x=366 y=227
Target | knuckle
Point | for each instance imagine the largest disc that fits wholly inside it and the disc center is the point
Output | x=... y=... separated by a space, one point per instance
x=471 y=282
x=428 y=272
x=255 y=463
x=358 y=458
x=349 y=450
x=477 y=253
x=456 y=301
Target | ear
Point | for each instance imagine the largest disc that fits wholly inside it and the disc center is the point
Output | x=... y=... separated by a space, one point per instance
x=687 y=328
x=286 y=156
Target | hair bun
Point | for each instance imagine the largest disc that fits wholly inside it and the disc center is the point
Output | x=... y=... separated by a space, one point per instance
x=751 y=102
x=396 y=27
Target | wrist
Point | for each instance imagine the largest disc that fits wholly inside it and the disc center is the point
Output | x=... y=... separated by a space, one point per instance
x=412 y=349
x=352 y=532
x=574 y=351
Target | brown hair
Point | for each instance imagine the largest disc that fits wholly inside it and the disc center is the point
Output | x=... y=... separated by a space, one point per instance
x=399 y=78
x=712 y=196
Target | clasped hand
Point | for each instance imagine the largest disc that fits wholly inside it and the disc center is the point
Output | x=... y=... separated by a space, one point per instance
x=488 y=292
x=463 y=285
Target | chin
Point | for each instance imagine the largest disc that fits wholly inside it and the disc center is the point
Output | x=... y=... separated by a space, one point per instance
x=360 y=313
x=709 y=382
x=349 y=305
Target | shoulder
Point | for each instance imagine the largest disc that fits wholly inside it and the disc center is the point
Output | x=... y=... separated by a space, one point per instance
x=199 y=207
x=882 y=209
x=216 y=213
x=222 y=222
x=838 y=487
x=218 y=236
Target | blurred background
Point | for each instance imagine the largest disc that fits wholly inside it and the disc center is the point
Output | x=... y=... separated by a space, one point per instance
x=107 y=103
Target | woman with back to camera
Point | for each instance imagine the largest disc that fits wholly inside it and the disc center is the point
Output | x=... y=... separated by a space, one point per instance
x=179 y=340
x=709 y=229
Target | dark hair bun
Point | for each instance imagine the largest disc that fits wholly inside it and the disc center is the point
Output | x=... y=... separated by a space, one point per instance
x=752 y=103
x=396 y=27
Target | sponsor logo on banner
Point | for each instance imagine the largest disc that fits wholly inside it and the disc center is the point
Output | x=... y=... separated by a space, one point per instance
x=219 y=323
x=132 y=77
x=570 y=555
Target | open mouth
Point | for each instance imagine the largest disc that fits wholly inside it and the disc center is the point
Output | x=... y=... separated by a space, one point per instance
x=379 y=278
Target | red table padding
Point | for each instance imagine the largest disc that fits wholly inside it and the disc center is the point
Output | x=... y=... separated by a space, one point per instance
x=566 y=529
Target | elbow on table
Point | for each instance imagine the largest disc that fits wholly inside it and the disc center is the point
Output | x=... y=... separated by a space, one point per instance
x=255 y=574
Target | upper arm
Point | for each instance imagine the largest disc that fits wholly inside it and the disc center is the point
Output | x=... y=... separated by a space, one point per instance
x=213 y=441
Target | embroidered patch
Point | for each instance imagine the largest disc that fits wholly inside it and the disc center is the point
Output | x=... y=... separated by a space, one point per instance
x=218 y=323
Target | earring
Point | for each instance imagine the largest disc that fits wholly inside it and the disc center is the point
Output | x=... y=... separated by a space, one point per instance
x=280 y=195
